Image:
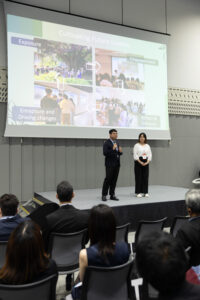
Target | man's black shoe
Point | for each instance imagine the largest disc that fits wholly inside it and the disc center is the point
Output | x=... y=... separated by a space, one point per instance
x=104 y=198
x=114 y=198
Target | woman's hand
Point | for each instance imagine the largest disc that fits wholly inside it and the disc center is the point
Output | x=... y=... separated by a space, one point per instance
x=140 y=162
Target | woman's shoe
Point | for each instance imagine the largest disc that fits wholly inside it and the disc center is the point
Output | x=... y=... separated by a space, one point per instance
x=139 y=196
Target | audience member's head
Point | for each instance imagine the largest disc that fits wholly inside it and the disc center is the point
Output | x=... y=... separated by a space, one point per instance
x=65 y=192
x=25 y=255
x=8 y=205
x=102 y=228
x=192 y=199
x=161 y=261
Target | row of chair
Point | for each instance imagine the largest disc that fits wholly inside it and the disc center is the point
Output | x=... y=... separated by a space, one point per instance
x=105 y=289
x=72 y=241
x=65 y=248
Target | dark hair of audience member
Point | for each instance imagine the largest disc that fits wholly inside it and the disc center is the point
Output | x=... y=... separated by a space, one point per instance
x=25 y=255
x=9 y=204
x=161 y=261
x=102 y=229
x=64 y=191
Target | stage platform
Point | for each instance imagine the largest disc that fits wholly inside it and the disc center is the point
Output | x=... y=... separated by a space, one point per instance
x=164 y=201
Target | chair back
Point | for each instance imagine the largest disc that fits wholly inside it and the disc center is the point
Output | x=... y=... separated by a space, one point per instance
x=64 y=249
x=107 y=283
x=122 y=233
x=177 y=223
x=41 y=290
x=3 y=246
x=145 y=227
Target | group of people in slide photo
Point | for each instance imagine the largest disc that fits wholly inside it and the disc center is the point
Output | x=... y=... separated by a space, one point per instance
x=142 y=156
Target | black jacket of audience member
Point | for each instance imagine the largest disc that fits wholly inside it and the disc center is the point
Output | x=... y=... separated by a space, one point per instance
x=189 y=236
x=66 y=219
x=112 y=157
x=7 y=225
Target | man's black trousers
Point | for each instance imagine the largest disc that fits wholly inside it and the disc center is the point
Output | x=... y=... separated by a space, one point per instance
x=110 y=180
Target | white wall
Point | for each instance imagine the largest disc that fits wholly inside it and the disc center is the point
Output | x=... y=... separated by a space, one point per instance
x=183 y=19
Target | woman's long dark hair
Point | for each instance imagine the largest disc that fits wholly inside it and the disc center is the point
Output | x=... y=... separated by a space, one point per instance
x=144 y=135
x=102 y=229
x=25 y=255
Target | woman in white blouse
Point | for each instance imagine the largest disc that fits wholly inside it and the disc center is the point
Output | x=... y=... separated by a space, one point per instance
x=142 y=157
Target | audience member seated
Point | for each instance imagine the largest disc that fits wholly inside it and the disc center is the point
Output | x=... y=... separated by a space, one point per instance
x=162 y=261
x=9 y=217
x=26 y=260
x=67 y=218
x=189 y=233
x=103 y=250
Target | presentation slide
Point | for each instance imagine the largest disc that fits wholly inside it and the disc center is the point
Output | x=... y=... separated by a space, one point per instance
x=70 y=82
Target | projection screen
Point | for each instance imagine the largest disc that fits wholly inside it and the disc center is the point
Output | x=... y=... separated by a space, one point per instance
x=71 y=77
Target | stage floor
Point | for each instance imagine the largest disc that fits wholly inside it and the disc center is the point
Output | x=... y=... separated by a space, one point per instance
x=164 y=201
x=86 y=199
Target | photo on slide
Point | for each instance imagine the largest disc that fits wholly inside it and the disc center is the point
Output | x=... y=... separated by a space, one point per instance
x=60 y=64
x=71 y=107
x=119 y=108
x=119 y=70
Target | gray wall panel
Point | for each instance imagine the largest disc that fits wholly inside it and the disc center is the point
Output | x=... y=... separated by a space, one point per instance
x=70 y=151
x=4 y=153
x=99 y=163
x=60 y=5
x=126 y=164
x=108 y=10
x=50 y=164
x=27 y=169
x=38 y=165
x=80 y=166
x=60 y=160
x=15 y=167
x=4 y=167
x=90 y=164
x=147 y=14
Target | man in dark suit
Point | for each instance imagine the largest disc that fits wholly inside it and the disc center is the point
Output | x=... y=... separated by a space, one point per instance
x=112 y=152
x=161 y=261
x=189 y=233
x=9 y=217
x=67 y=218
